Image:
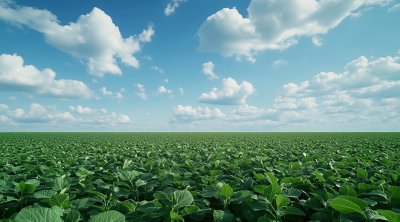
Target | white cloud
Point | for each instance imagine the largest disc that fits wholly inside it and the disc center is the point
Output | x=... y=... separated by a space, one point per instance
x=271 y=24
x=105 y=92
x=291 y=103
x=189 y=114
x=230 y=93
x=317 y=40
x=15 y=76
x=142 y=93
x=181 y=90
x=162 y=90
x=103 y=111
x=171 y=6
x=361 y=79
x=93 y=36
x=118 y=96
x=279 y=63
x=394 y=7
x=94 y=80
x=30 y=97
x=111 y=119
x=123 y=89
x=82 y=110
x=3 y=107
x=157 y=68
x=165 y=80
x=249 y=113
x=40 y=114
x=148 y=58
x=208 y=68
x=11 y=98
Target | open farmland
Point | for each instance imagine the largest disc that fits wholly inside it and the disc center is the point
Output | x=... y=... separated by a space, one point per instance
x=199 y=177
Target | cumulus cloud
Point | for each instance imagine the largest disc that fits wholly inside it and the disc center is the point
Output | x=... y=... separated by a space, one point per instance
x=3 y=107
x=112 y=119
x=104 y=91
x=273 y=25
x=122 y=89
x=208 y=68
x=181 y=90
x=15 y=76
x=39 y=114
x=158 y=69
x=291 y=103
x=118 y=96
x=361 y=78
x=248 y=113
x=141 y=92
x=148 y=58
x=171 y=6
x=188 y=114
x=317 y=40
x=82 y=110
x=230 y=93
x=162 y=90
x=104 y=111
x=165 y=80
x=93 y=36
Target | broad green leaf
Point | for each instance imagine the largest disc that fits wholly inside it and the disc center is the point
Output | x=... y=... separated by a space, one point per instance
x=222 y=216
x=216 y=172
x=108 y=216
x=394 y=176
x=294 y=211
x=347 y=190
x=58 y=210
x=60 y=200
x=102 y=196
x=182 y=198
x=227 y=191
x=390 y=215
x=44 y=194
x=291 y=192
x=175 y=216
x=81 y=204
x=294 y=166
x=37 y=215
x=271 y=191
x=148 y=208
x=190 y=209
x=348 y=204
x=73 y=216
x=259 y=188
x=373 y=215
x=264 y=219
x=60 y=184
x=362 y=174
x=208 y=192
x=271 y=177
x=281 y=201
x=26 y=188
x=159 y=195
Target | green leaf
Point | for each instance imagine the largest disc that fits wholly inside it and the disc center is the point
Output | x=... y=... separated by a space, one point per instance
x=182 y=198
x=60 y=184
x=373 y=215
x=227 y=191
x=264 y=219
x=294 y=211
x=291 y=192
x=394 y=176
x=319 y=176
x=271 y=191
x=294 y=166
x=73 y=216
x=347 y=190
x=362 y=174
x=222 y=216
x=216 y=172
x=58 y=210
x=272 y=178
x=281 y=201
x=44 y=194
x=26 y=188
x=37 y=215
x=208 y=192
x=348 y=204
x=148 y=208
x=190 y=209
x=60 y=200
x=102 y=196
x=108 y=216
x=159 y=195
x=175 y=216
x=81 y=204
x=390 y=215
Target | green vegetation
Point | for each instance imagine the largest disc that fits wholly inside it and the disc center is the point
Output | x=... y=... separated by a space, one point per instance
x=257 y=177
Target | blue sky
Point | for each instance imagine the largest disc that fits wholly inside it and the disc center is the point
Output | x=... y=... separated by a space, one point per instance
x=186 y=65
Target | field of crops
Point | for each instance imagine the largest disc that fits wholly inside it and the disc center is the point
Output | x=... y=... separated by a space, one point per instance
x=257 y=177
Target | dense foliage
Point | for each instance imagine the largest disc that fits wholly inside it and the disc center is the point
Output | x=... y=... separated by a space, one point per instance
x=101 y=177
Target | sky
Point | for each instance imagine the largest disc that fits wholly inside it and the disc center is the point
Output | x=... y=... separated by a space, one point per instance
x=200 y=66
